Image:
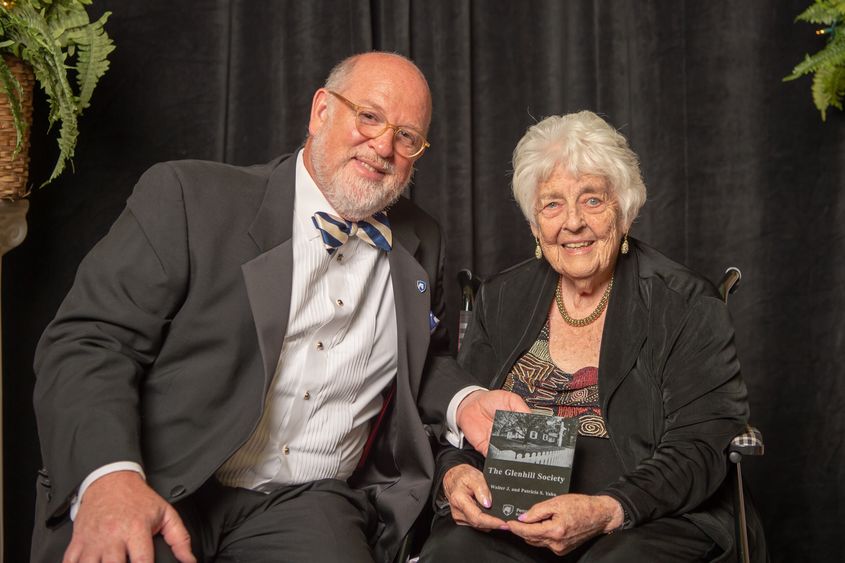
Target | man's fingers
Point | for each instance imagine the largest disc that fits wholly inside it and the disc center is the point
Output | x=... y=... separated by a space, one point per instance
x=482 y=446
x=140 y=548
x=500 y=399
x=475 y=414
x=176 y=535
x=183 y=552
x=117 y=554
x=71 y=553
x=118 y=519
x=112 y=550
x=518 y=404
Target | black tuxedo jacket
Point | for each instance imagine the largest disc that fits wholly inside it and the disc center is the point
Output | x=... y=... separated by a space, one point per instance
x=164 y=349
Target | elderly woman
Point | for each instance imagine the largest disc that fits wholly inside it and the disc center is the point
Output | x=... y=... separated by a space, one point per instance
x=605 y=330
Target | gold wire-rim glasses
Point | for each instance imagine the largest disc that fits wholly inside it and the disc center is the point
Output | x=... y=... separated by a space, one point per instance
x=384 y=125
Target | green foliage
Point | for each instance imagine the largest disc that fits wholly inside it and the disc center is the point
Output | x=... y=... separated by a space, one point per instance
x=59 y=41
x=831 y=55
x=828 y=65
x=829 y=87
x=824 y=12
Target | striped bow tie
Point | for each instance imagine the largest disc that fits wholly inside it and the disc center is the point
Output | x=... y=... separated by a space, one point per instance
x=336 y=231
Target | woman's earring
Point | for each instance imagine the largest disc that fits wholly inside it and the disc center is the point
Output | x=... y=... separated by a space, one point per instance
x=538 y=252
x=625 y=247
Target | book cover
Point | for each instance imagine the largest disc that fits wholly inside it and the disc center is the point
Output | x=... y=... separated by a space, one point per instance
x=529 y=460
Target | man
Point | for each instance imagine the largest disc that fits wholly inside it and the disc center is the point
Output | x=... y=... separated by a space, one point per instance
x=242 y=338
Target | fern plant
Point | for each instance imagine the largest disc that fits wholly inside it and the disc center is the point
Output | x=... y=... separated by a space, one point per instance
x=828 y=65
x=68 y=53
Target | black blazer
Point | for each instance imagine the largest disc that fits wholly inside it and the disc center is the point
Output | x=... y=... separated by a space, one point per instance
x=669 y=380
x=164 y=349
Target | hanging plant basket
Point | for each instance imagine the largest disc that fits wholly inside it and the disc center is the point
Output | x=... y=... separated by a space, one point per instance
x=14 y=165
x=68 y=53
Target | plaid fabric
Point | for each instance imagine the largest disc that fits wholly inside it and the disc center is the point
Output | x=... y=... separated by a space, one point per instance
x=336 y=231
x=749 y=442
x=463 y=322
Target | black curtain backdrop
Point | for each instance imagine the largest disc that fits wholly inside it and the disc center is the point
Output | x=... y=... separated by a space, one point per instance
x=739 y=167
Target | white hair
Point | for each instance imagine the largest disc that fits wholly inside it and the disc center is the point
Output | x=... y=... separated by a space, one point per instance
x=579 y=143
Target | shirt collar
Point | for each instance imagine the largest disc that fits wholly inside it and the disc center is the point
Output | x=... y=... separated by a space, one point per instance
x=309 y=199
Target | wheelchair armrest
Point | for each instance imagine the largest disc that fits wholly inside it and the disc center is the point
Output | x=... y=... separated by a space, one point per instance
x=749 y=442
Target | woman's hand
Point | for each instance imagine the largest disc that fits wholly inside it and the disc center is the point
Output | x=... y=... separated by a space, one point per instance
x=465 y=489
x=564 y=522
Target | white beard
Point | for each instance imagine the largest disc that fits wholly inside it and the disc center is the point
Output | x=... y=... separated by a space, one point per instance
x=352 y=196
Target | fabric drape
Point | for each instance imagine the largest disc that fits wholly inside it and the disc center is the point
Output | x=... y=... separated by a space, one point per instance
x=739 y=167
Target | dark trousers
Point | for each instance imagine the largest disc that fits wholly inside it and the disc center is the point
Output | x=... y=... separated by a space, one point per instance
x=322 y=522
x=666 y=540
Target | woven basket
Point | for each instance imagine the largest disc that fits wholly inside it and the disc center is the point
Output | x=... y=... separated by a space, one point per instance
x=14 y=172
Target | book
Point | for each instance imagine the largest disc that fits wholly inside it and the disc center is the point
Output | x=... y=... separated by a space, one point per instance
x=529 y=460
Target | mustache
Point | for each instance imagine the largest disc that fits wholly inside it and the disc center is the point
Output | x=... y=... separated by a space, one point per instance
x=374 y=158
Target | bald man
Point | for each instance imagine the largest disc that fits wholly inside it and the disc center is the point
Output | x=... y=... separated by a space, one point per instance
x=243 y=367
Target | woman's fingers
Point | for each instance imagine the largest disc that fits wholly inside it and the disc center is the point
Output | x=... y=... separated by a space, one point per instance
x=467 y=492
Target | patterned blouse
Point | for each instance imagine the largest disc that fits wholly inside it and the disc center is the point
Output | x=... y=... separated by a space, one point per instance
x=549 y=390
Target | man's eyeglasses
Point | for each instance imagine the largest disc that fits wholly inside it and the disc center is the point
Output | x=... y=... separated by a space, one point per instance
x=372 y=124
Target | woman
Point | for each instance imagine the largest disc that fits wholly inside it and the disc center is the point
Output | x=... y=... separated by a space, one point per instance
x=603 y=329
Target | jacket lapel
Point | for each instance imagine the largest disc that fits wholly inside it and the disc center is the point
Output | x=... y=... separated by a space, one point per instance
x=524 y=319
x=268 y=276
x=411 y=293
x=624 y=328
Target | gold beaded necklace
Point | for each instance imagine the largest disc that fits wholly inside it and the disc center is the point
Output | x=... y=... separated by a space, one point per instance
x=589 y=319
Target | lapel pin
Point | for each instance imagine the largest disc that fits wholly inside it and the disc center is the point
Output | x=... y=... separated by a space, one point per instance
x=421 y=286
x=432 y=321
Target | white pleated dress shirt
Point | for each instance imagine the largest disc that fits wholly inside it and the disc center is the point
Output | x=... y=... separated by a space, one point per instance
x=337 y=359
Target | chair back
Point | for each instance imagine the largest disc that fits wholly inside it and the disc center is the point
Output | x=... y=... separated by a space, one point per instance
x=729 y=282
x=469 y=286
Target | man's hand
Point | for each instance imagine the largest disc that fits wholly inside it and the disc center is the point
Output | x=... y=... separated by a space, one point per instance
x=475 y=414
x=564 y=522
x=465 y=488
x=118 y=517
